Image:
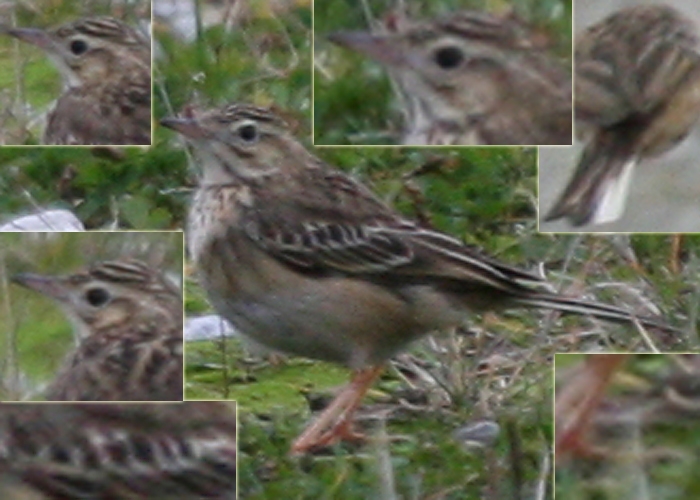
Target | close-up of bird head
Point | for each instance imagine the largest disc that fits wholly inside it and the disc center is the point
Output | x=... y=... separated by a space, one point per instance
x=90 y=50
x=109 y=294
x=450 y=61
x=105 y=68
x=456 y=76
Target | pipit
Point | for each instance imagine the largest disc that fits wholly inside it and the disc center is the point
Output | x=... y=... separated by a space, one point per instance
x=184 y=451
x=304 y=259
x=637 y=96
x=106 y=70
x=127 y=320
x=472 y=78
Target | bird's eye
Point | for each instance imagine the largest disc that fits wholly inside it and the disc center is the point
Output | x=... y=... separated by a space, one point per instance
x=78 y=47
x=449 y=57
x=97 y=297
x=248 y=133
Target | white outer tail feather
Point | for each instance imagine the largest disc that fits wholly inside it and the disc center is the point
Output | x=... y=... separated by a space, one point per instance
x=614 y=196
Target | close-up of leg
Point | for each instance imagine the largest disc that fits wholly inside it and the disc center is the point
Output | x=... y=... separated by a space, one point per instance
x=626 y=426
x=637 y=103
x=452 y=72
x=92 y=316
x=118 y=451
x=75 y=73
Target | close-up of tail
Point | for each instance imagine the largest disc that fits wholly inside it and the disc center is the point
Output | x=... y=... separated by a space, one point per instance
x=598 y=310
x=598 y=190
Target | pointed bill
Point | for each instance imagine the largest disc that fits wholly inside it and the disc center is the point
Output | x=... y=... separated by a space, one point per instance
x=50 y=286
x=186 y=126
x=381 y=48
x=32 y=35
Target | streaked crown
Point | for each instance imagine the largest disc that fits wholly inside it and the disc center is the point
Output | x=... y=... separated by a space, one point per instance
x=105 y=28
x=240 y=112
x=131 y=273
x=474 y=26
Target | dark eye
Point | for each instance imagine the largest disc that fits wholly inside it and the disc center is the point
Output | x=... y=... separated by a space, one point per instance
x=97 y=297
x=248 y=133
x=448 y=57
x=78 y=47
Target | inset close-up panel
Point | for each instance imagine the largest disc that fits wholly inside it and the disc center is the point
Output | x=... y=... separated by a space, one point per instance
x=627 y=426
x=132 y=451
x=637 y=81
x=91 y=316
x=452 y=72
x=75 y=73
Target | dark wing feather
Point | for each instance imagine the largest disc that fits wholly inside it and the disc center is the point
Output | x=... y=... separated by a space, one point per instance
x=341 y=228
x=338 y=228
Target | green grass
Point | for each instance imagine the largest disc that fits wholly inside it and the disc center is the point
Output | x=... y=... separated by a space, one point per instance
x=423 y=466
x=225 y=372
x=265 y=62
x=423 y=456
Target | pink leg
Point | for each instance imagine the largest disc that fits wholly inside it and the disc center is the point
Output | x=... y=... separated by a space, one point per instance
x=335 y=422
x=577 y=402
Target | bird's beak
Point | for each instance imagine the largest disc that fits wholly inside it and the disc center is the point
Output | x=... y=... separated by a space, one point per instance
x=189 y=127
x=378 y=47
x=32 y=35
x=51 y=286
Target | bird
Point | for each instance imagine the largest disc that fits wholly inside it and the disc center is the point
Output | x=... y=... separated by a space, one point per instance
x=471 y=78
x=637 y=95
x=119 y=451
x=106 y=69
x=303 y=259
x=127 y=319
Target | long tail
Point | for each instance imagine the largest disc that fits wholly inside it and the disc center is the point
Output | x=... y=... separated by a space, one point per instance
x=598 y=190
x=568 y=305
